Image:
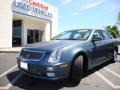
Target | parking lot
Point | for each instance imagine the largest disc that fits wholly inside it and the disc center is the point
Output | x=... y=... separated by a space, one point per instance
x=104 y=77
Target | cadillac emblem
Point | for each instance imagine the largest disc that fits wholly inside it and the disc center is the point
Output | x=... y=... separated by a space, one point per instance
x=27 y=55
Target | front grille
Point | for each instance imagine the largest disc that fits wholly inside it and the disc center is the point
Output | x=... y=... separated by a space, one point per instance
x=30 y=54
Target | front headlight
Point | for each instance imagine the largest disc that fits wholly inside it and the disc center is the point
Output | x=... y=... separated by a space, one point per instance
x=55 y=56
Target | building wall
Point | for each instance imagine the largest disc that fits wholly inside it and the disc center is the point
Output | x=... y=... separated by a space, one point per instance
x=52 y=27
x=36 y=21
x=55 y=22
x=29 y=24
x=7 y=13
x=5 y=23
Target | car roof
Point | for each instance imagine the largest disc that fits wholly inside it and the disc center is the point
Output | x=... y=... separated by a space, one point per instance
x=78 y=29
x=84 y=29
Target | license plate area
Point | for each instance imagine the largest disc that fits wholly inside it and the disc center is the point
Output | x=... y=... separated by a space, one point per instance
x=24 y=65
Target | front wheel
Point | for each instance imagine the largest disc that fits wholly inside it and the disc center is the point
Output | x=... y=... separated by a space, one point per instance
x=77 y=69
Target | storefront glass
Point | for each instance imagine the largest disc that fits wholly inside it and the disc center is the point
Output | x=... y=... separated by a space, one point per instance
x=16 y=33
x=34 y=36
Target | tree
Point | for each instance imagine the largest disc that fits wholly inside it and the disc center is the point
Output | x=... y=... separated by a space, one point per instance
x=113 y=30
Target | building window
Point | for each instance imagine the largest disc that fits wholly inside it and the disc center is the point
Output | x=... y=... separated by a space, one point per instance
x=16 y=33
x=34 y=36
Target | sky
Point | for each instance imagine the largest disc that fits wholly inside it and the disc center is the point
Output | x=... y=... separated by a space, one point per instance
x=76 y=14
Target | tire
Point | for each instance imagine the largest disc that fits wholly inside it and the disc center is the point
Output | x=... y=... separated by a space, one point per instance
x=77 y=69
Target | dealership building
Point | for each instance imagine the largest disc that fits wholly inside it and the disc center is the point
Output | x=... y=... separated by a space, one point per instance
x=26 y=22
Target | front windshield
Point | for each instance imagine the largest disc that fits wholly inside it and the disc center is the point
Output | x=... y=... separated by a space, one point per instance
x=82 y=34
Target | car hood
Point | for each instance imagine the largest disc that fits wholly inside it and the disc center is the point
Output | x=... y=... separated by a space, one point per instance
x=52 y=45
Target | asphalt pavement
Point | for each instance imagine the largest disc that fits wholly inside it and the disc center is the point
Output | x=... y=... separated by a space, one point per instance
x=103 y=77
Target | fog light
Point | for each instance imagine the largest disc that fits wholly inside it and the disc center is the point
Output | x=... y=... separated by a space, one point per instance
x=49 y=74
x=50 y=69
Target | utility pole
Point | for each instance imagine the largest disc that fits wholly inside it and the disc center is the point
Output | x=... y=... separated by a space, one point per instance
x=118 y=19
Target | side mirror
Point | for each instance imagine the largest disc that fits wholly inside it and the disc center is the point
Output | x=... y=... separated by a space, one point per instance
x=96 y=38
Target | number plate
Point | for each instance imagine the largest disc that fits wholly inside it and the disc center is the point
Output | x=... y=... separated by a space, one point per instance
x=24 y=65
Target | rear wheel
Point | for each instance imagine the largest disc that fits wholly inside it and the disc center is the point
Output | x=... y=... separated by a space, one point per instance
x=77 y=69
x=115 y=56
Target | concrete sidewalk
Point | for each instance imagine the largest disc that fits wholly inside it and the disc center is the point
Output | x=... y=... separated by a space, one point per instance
x=11 y=50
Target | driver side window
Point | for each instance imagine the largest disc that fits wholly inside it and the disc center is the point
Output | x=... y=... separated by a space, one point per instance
x=98 y=33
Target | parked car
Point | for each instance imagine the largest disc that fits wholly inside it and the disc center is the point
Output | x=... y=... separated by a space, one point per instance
x=118 y=39
x=69 y=54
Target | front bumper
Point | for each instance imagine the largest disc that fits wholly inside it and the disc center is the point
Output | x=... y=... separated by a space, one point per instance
x=45 y=70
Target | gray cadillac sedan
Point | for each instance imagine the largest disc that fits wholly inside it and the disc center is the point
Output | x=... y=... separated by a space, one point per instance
x=69 y=54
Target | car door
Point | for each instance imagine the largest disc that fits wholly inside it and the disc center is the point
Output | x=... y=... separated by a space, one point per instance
x=99 y=49
x=109 y=46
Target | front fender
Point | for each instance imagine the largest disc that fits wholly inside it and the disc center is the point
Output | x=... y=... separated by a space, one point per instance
x=68 y=54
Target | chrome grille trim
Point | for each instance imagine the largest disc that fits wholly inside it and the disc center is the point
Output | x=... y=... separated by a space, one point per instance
x=36 y=57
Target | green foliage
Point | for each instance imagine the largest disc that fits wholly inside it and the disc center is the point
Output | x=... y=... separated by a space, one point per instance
x=113 y=30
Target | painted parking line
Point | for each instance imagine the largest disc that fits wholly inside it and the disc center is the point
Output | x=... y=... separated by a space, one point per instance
x=9 y=85
x=6 y=72
x=107 y=81
x=114 y=73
